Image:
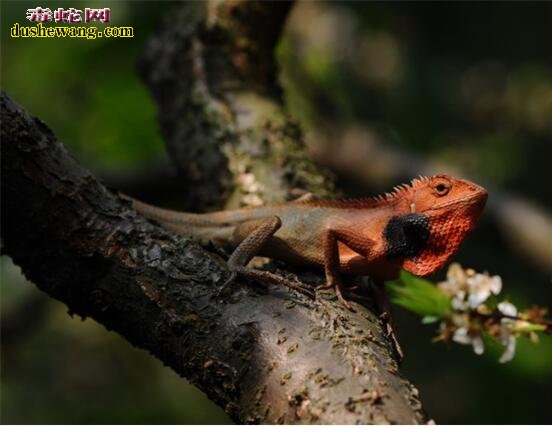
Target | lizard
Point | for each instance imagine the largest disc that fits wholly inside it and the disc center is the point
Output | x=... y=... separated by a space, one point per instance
x=417 y=226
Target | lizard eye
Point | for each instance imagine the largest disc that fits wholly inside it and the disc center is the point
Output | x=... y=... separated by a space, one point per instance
x=442 y=188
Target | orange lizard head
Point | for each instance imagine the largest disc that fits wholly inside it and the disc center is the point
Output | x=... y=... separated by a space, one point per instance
x=440 y=212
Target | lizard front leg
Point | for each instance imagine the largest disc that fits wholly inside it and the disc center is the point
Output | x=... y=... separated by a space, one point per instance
x=331 y=267
x=333 y=279
x=249 y=247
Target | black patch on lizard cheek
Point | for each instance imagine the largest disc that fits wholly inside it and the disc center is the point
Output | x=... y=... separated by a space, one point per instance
x=406 y=235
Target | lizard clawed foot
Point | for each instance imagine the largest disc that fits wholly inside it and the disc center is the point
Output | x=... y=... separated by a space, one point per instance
x=296 y=286
x=267 y=277
x=343 y=301
x=227 y=283
x=338 y=292
x=391 y=334
x=326 y=286
x=384 y=306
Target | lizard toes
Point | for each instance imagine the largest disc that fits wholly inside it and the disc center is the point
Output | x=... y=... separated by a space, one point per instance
x=307 y=292
x=229 y=281
x=343 y=300
x=324 y=287
x=301 y=289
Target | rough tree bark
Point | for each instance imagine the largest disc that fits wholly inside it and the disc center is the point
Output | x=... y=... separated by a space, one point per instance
x=264 y=354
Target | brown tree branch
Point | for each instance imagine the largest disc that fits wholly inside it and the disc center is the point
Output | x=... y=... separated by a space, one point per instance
x=265 y=356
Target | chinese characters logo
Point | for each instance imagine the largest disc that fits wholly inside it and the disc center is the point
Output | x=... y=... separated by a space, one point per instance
x=71 y=15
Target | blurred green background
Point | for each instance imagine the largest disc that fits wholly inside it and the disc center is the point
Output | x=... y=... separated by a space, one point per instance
x=469 y=84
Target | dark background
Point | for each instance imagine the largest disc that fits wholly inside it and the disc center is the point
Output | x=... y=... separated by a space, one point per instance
x=468 y=85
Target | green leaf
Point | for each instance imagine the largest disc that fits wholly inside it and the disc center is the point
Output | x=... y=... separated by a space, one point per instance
x=429 y=319
x=418 y=295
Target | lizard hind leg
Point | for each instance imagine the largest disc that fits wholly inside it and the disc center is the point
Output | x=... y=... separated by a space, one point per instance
x=259 y=233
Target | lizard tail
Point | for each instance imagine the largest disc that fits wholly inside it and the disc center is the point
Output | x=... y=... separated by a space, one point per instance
x=166 y=216
x=196 y=220
x=217 y=227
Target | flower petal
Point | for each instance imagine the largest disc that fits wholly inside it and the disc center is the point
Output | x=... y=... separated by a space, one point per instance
x=461 y=336
x=510 y=351
x=478 y=346
x=507 y=309
x=456 y=274
x=477 y=298
x=496 y=284
x=458 y=303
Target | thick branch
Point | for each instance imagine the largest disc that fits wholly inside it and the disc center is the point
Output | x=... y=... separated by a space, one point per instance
x=264 y=355
x=212 y=72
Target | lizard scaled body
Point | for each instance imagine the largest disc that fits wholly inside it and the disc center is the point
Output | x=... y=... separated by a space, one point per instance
x=418 y=227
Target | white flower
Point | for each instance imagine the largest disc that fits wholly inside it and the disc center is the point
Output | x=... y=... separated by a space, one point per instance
x=507 y=325
x=462 y=336
x=456 y=281
x=468 y=289
x=507 y=308
x=458 y=303
x=509 y=341
x=481 y=286
x=478 y=346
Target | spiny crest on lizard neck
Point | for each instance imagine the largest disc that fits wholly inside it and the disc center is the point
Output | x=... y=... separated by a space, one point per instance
x=398 y=192
x=422 y=193
x=402 y=190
